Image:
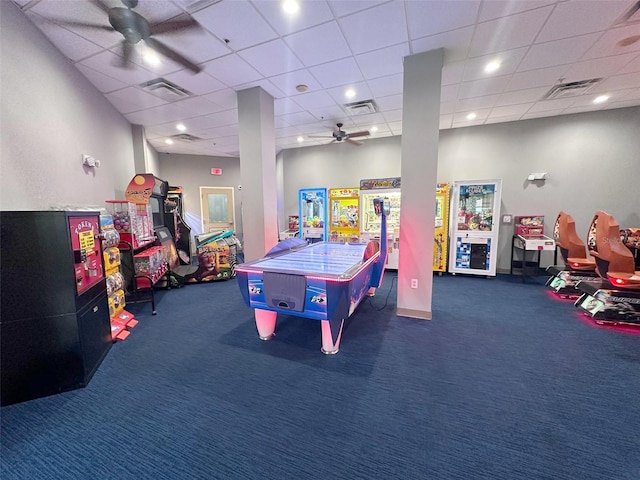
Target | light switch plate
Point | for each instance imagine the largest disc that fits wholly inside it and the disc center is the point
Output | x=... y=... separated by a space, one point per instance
x=507 y=218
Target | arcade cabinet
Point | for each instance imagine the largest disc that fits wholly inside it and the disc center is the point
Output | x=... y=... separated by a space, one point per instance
x=178 y=228
x=344 y=215
x=312 y=203
x=54 y=329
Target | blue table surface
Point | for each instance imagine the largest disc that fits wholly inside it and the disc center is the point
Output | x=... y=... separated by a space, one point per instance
x=318 y=258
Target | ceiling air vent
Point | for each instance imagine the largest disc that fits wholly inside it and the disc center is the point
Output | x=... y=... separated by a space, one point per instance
x=165 y=89
x=185 y=137
x=571 y=89
x=361 y=108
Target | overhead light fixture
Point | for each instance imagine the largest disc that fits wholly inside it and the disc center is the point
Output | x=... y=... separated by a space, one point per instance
x=492 y=66
x=180 y=127
x=168 y=141
x=471 y=116
x=350 y=93
x=300 y=139
x=373 y=129
x=601 y=99
x=151 y=58
x=290 y=6
x=302 y=88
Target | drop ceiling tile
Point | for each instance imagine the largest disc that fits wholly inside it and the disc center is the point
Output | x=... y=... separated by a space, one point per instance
x=396 y=128
x=579 y=17
x=455 y=43
x=340 y=72
x=476 y=103
x=597 y=67
x=467 y=123
x=393 y=116
x=537 y=78
x=375 y=28
x=72 y=45
x=521 y=96
x=102 y=82
x=226 y=99
x=384 y=86
x=196 y=45
x=289 y=81
x=320 y=44
x=390 y=102
x=631 y=67
x=131 y=99
x=310 y=14
x=502 y=119
x=283 y=106
x=361 y=121
x=271 y=58
x=447 y=107
x=331 y=114
x=298 y=118
x=449 y=93
x=509 y=61
x=510 y=110
x=608 y=43
x=287 y=132
x=219 y=119
x=452 y=73
x=623 y=104
x=504 y=8
x=507 y=33
x=231 y=70
x=347 y=7
x=552 y=105
x=383 y=62
x=481 y=115
x=223 y=19
x=361 y=90
x=486 y=86
x=312 y=100
x=558 y=52
x=199 y=84
x=155 y=11
x=107 y=63
x=617 y=82
x=430 y=18
x=445 y=121
x=265 y=84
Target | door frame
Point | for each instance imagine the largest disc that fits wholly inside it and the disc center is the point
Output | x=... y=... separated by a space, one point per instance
x=233 y=206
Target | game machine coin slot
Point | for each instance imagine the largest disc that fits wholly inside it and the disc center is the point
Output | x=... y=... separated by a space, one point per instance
x=54 y=328
x=441 y=228
x=344 y=215
x=475 y=206
x=390 y=190
x=312 y=204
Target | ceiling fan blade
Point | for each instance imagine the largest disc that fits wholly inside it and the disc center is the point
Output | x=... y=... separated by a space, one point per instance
x=320 y=136
x=72 y=23
x=173 y=55
x=101 y=5
x=363 y=133
x=174 y=26
x=354 y=142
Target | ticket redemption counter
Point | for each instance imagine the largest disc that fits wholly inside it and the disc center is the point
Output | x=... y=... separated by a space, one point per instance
x=475 y=213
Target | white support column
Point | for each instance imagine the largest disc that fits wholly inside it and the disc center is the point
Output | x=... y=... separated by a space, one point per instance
x=258 y=172
x=420 y=133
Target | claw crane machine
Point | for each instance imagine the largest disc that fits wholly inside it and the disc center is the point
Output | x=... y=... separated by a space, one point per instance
x=441 y=231
x=312 y=204
x=344 y=210
x=389 y=189
x=475 y=214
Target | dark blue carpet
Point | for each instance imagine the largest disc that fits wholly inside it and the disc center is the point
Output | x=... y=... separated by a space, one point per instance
x=505 y=382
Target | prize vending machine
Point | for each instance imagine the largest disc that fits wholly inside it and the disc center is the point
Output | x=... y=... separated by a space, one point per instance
x=54 y=328
x=441 y=231
x=475 y=214
x=312 y=203
x=344 y=207
x=389 y=190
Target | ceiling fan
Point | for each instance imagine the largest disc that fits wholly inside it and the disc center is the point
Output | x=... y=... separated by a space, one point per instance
x=340 y=135
x=135 y=28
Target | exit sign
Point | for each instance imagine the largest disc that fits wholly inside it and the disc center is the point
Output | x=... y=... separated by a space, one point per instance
x=216 y=171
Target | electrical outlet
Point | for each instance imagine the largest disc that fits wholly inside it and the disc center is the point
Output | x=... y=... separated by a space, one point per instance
x=414 y=283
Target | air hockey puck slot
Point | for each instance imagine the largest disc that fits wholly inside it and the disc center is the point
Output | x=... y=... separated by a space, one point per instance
x=285 y=291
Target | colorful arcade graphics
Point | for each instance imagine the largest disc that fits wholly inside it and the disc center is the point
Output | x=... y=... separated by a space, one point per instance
x=344 y=222
x=322 y=281
x=217 y=257
x=312 y=204
x=441 y=231
x=389 y=190
x=475 y=210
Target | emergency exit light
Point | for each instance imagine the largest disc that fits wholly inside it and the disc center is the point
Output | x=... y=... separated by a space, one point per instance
x=216 y=171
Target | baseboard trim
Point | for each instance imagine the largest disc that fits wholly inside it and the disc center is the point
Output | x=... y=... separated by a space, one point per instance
x=407 y=312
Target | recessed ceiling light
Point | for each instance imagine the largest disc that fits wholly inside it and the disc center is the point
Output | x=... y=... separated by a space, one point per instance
x=300 y=139
x=168 y=141
x=350 y=93
x=601 y=99
x=151 y=58
x=180 y=127
x=492 y=66
x=302 y=88
x=471 y=116
x=374 y=129
x=290 y=6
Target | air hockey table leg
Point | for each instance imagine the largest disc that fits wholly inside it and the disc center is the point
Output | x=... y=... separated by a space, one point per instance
x=331 y=335
x=265 y=323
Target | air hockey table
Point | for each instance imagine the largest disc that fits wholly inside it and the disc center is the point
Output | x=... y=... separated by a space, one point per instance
x=321 y=281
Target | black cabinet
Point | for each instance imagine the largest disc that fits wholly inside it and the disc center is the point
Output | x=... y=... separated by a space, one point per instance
x=54 y=318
